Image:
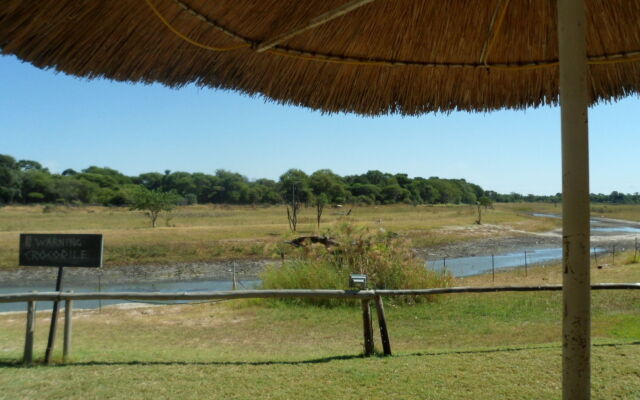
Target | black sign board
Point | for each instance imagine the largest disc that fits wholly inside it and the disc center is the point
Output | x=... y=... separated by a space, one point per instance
x=60 y=250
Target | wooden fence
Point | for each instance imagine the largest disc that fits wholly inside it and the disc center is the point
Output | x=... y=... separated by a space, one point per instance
x=366 y=296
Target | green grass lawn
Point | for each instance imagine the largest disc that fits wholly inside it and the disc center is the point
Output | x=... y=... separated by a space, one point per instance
x=476 y=346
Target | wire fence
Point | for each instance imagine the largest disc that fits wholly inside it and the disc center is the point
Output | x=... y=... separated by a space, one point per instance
x=476 y=265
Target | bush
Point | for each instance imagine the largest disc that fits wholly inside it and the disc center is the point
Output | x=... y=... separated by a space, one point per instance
x=35 y=197
x=386 y=258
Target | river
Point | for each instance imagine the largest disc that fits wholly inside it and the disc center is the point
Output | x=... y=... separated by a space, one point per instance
x=601 y=228
x=170 y=286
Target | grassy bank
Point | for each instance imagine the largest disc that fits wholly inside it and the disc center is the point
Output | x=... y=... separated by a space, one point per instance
x=489 y=346
x=215 y=232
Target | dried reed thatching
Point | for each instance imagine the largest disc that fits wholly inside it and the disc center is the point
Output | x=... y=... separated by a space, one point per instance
x=373 y=57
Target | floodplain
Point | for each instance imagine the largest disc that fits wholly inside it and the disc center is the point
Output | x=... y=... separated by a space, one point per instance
x=219 y=232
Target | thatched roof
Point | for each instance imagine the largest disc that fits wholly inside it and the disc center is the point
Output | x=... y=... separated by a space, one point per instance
x=372 y=57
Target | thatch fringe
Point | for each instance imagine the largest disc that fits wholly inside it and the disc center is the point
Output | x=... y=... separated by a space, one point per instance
x=475 y=55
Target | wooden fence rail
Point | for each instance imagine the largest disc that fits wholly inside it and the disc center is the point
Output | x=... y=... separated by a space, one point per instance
x=288 y=293
x=213 y=295
x=366 y=296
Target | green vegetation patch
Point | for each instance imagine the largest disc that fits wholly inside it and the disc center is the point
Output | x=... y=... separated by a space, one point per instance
x=386 y=259
x=625 y=327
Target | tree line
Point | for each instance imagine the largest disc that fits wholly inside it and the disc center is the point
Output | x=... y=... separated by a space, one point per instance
x=27 y=181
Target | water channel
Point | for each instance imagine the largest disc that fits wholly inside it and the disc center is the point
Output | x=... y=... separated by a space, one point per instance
x=475 y=265
x=161 y=286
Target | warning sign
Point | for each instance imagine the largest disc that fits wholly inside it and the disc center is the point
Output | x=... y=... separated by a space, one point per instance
x=60 y=250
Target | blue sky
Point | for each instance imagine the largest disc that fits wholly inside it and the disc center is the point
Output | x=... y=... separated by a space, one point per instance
x=66 y=122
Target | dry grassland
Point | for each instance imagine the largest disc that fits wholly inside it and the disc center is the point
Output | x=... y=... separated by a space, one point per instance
x=215 y=232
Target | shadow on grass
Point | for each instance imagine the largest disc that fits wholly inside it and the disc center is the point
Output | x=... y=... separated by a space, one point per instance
x=513 y=349
x=19 y=364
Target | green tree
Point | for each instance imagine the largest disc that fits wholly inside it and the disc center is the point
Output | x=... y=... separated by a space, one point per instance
x=394 y=193
x=10 y=179
x=326 y=187
x=425 y=191
x=153 y=202
x=67 y=189
x=268 y=190
x=26 y=165
x=320 y=201
x=325 y=181
x=295 y=190
x=38 y=185
x=366 y=191
x=449 y=192
x=150 y=180
x=485 y=201
x=231 y=187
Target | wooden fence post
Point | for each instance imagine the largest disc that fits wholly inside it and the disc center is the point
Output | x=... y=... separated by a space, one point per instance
x=100 y=288
x=31 y=328
x=48 y=355
x=234 y=284
x=493 y=269
x=382 y=322
x=613 y=260
x=367 y=324
x=68 y=312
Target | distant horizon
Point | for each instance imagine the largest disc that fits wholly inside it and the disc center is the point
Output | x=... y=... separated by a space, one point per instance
x=68 y=122
x=253 y=179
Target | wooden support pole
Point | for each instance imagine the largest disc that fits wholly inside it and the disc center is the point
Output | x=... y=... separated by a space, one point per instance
x=382 y=322
x=68 y=312
x=574 y=101
x=367 y=325
x=54 y=320
x=30 y=332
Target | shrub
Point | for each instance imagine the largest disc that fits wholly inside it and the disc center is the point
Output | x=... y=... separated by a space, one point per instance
x=35 y=196
x=385 y=257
